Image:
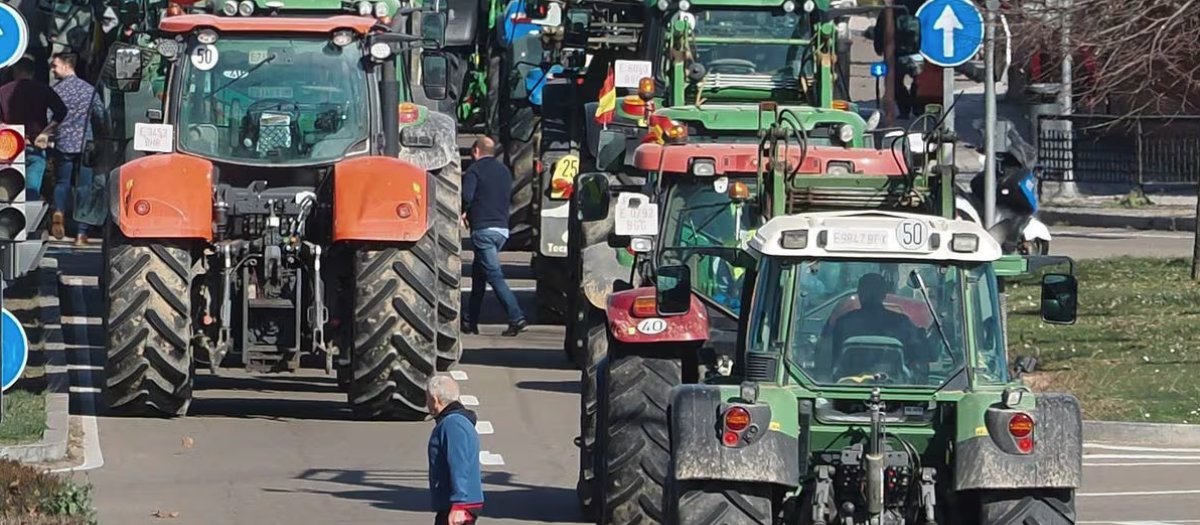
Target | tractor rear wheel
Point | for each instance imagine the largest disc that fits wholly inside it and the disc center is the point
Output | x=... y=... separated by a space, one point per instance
x=1027 y=507
x=398 y=332
x=717 y=503
x=636 y=446
x=148 y=366
x=449 y=263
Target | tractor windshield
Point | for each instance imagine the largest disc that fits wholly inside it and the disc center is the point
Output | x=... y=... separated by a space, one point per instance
x=699 y=212
x=751 y=42
x=272 y=100
x=868 y=322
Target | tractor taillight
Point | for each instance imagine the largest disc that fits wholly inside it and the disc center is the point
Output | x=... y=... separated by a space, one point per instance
x=408 y=113
x=730 y=439
x=1021 y=427
x=645 y=307
x=404 y=210
x=737 y=419
x=141 y=207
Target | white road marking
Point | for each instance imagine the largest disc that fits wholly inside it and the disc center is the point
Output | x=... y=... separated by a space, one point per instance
x=1138 y=456
x=1128 y=448
x=80 y=280
x=458 y=375
x=84 y=390
x=470 y=401
x=1141 y=493
x=93 y=456
x=487 y=458
x=1145 y=464
x=85 y=368
x=77 y=320
x=484 y=428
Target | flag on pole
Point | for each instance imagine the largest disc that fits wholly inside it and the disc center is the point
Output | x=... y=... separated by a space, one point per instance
x=607 y=108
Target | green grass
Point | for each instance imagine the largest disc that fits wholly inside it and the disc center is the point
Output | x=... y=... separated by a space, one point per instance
x=24 y=418
x=1133 y=354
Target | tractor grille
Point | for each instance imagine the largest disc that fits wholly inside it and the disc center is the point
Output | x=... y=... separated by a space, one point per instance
x=727 y=81
x=761 y=366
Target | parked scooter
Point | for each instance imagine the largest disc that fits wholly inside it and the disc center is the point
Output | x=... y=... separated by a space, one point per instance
x=1017 y=227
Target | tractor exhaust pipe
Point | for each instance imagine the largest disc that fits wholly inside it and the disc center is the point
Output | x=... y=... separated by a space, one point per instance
x=874 y=459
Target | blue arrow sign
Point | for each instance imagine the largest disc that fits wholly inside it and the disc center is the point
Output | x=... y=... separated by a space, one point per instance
x=14 y=349
x=951 y=31
x=14 y=35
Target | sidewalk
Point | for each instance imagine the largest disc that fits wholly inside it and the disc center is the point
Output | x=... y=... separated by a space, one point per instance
x=1166 y=213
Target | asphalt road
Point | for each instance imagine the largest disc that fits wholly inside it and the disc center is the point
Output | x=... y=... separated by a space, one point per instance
x=283 y=450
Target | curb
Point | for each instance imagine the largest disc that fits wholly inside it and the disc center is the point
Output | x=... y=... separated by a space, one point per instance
x=1091 y=219
x=1150 y=434
x=53 y=445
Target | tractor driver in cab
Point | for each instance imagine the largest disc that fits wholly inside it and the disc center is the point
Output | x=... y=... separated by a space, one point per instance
x=872 y=318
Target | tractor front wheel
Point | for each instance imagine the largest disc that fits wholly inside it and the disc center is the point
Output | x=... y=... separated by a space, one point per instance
x=148 y=366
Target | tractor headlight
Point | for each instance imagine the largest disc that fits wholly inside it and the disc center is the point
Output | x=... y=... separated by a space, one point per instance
x=964 y=243
x=845 y=134
x=168 y=48
x=704 y=167
x=229 y=8
x=838 y=168
x=381 y=9
x=364 y=8
x=246 y=8
x=641 y=244
x=381 y=51
x=206 y=37
x=789 y=6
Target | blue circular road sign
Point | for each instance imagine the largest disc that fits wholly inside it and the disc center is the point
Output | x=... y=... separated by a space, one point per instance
x=14 y=35
x=14 y=350
x=951 y=31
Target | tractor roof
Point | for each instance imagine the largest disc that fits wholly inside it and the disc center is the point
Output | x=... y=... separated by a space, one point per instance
x=874 y=235
x=267 y=24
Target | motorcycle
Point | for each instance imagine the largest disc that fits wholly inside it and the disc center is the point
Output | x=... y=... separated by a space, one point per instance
x=1016 y=227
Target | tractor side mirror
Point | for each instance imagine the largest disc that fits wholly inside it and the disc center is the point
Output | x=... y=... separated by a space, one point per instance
x=673 y=289
x=1060 y=298
x=123 y=69
x=435 y=76
x=592 y=191
x=433 y=30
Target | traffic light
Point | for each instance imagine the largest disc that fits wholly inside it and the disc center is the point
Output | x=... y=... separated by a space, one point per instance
x=16 y=213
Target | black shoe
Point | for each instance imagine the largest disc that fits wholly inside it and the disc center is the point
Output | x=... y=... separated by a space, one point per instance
x=469 y=328
x=515 y=328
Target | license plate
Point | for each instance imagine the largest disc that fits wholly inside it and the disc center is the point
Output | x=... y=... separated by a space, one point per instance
x=636 y=216
x=857 y=240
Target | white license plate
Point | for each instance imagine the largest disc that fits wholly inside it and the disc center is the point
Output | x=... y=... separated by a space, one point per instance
x=858 y=240
x=636 y=216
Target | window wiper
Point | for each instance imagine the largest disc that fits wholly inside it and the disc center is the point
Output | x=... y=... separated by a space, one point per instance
x=252 y=69
x=916 y=277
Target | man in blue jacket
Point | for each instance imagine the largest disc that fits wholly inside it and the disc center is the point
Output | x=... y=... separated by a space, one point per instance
x=486 y=192
x=455 y=482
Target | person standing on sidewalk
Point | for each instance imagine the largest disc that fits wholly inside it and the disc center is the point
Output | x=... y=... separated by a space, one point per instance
x=84 y=105
x=486 y=191
x=25 y=102
x=455 y=481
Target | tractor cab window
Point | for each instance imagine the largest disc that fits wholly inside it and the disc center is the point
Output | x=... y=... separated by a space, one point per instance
x=991 y=360
x=868 y=322
x=752 y=42
x=262 y=100
x=700 y=212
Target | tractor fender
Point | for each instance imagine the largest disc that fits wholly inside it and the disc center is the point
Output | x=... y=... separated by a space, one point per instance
x=443 y=149
x=992 y=461
x=174 y=191
x=368 y=195
x=698 y=453
x=625 y=328
x=602 y=269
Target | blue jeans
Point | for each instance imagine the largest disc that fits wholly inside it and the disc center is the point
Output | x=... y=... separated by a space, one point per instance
x=35 y=171
x=64 y=197
x=486 y=269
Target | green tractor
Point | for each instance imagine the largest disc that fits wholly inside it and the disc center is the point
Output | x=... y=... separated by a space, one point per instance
x=871 y=384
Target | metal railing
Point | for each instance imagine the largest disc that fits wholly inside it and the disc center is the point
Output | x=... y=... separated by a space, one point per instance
x=1121 y=150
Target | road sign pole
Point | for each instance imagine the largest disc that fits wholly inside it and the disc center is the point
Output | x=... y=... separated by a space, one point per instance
x=989 y=114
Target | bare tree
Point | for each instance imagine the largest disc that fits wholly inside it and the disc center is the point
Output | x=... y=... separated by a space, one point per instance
x=1131 y=57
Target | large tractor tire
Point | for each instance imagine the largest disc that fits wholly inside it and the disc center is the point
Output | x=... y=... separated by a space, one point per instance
x=397 y=325
x=449 y=263
x=586 y=488
x=634 y=432
x=719 y=503
x=1027 y=507
x=520 y=133
x=148 y=366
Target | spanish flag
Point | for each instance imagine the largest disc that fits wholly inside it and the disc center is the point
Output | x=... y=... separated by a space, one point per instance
x=607 y=109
